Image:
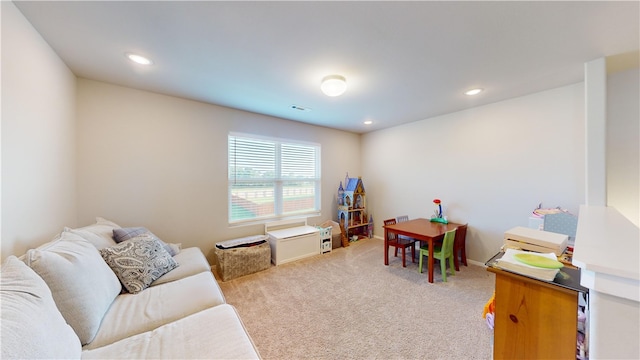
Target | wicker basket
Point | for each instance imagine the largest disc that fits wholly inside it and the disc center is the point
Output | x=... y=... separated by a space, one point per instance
x=240 y=261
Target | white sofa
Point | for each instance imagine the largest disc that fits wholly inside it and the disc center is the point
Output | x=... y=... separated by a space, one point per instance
x=64 y=300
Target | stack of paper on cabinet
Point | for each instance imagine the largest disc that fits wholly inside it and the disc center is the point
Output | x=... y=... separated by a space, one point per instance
x=509 y=262
x=535 y=240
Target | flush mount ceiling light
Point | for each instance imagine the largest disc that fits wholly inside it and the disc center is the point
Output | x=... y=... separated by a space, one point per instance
x=333 y=85
x=138 y=59
x=473 y=92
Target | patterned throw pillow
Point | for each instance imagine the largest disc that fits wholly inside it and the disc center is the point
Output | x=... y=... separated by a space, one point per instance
x=123 y=234
x=138 y=262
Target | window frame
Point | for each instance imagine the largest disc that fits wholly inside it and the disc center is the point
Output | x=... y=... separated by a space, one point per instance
x=279 y=181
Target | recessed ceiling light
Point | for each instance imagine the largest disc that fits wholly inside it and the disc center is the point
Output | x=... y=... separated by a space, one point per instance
x=138 y=59
x=473 y=92
x=368 y=122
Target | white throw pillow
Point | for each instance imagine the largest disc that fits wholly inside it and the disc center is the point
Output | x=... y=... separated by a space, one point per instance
x=82 y=284
x=32 y=326
x=99 y=234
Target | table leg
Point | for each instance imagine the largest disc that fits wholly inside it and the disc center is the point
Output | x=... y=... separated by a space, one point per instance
x=430 y=260
x=386 y=247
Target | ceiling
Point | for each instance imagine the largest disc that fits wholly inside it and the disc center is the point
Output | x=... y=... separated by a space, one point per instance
x=403 y=61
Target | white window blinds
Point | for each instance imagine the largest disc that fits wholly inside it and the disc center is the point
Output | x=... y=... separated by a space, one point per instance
x=272 y=178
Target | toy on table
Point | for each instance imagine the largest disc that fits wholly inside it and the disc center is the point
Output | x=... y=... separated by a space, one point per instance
x=438 y=217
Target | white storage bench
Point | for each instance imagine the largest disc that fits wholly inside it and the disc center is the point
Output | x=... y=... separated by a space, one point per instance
x=292 y=240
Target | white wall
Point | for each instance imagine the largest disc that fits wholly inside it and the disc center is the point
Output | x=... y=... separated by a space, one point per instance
x=140 y=159
x=38 y=137
x=595 y=97
x=623 y=143
x=157 y=161
x=490 y=165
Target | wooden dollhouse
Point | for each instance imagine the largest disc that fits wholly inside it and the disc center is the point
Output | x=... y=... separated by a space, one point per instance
x=352 y=208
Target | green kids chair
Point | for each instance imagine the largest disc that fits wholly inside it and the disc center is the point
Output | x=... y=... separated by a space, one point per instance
x=442 y=253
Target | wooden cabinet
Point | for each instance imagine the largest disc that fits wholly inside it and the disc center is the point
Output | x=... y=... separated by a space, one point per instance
x=535 y=319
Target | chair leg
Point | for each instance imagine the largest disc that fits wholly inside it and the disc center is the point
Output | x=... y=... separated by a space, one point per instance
x=413 y=252
x=456 y=262
x=452 y=266
x=443 y=269
x=464 y=255
x=404 y=255
x=420 y=265
x=396 y=252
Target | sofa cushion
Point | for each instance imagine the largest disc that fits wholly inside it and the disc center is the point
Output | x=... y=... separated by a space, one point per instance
x=99 y=234
x=216 y=333
x=158 y=305
x=191 y=261
x=32 y=326
x=82 y=284
x=123 y=234
x=138 y=262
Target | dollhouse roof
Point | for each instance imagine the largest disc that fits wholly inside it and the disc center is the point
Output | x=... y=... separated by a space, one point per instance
x=352 y=185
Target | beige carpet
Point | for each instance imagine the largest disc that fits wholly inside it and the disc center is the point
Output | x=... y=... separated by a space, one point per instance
x=347 y=305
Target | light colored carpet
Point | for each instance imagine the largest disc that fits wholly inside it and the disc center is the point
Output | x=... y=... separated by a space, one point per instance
x=348 y=305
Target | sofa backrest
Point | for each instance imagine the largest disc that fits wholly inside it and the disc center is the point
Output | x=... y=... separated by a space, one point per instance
x=32 y=327
x=82 y=284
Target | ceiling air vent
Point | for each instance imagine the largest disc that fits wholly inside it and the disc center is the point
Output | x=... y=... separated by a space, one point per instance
x=300 y=108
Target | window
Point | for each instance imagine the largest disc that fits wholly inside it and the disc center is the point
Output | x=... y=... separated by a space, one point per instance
x=272 y=178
